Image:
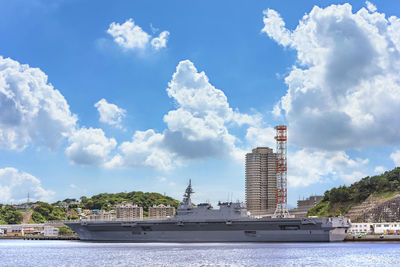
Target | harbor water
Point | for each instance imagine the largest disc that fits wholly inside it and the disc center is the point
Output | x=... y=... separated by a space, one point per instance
x=75 y=253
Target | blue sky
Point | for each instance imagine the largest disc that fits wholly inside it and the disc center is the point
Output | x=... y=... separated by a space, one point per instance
x=331 y=76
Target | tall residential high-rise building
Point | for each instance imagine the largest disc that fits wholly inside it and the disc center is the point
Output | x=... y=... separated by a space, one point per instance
x=261 y=181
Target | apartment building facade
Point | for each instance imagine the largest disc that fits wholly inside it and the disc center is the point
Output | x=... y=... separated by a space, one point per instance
x=261 y=181
x=129 y=211
x=161 y=211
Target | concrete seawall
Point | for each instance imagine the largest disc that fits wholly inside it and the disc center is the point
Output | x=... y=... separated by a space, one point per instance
x=368 y=238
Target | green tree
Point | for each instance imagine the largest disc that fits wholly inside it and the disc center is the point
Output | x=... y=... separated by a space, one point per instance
x=13 y=217
x=65 y=231
x=38 y=217
x=44 y=208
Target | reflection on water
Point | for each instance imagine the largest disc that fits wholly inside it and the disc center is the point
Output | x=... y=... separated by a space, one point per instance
x=76 y=253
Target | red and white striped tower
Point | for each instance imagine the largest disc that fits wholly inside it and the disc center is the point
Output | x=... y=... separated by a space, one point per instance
x=281 y=172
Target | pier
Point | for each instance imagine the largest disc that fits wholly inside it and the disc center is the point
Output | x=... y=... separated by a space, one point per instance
x=369 y=238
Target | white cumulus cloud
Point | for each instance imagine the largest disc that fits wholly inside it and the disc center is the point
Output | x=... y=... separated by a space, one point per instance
x=31 y=109
x=395 y=156
x=132 y=37
x=309 y=166
x=344 y=91
x=379 y=169
x=145 y=150
x=353 y=177
x=371 y=7
x=257 y=136
x=89 y=147
x=197 y=128
x=128 y=35
x=110 y=113
x=160 y=41
x=15 y=186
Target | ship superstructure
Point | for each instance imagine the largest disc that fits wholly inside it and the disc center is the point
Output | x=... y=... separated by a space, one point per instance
x=202 y=223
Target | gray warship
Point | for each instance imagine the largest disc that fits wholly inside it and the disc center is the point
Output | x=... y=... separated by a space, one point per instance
x=202 y=223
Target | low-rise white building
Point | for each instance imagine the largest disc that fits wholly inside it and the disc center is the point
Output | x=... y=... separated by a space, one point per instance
x=50 y=231
x=387 y=228
x=361 y=228
x=375 y=228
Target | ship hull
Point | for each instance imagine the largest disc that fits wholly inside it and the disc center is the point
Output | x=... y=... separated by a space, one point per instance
x=217 y=231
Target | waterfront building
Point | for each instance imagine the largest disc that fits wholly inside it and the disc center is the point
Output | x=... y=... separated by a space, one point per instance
x=50 y=231
x=387 y=228
x=126 y=210
x=261 y=181
x=15 y=230
x=392 y=228
x=29 y=230
x=361 y=228
x=161 y=211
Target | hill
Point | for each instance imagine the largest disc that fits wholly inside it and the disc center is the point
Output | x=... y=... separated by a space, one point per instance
x=106 y=200
x=368 y=194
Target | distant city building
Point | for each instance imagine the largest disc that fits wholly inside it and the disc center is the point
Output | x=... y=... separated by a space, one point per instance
x=303 y=206
x=71 y=201
x=161 y=211
x=61 y=204
x=24 y=206
x=101 y=216
x=126 y=210
x=261 y=181
x=96 y=211
x=86 y=212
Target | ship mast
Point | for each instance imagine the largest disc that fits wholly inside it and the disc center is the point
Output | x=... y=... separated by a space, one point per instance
x=186 y=197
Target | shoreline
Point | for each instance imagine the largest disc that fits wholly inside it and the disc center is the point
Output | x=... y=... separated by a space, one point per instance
x=377 y=238
x=40 y=237
x=367 y=238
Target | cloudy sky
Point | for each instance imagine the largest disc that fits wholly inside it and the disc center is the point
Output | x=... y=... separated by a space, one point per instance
x=143 y=95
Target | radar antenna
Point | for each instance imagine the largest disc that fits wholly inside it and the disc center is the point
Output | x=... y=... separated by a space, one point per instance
x=186 y=197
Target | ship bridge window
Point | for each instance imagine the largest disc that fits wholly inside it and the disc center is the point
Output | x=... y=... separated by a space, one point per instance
x=289 y=227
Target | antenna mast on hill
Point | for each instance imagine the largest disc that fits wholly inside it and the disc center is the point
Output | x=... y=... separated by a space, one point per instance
x=281 y=172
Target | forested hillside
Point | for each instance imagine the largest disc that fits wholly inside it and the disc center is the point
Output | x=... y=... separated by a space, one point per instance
x=44 y=212
x=339 y=200
x=106 y=200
